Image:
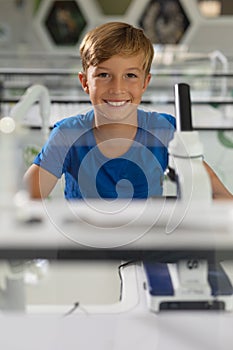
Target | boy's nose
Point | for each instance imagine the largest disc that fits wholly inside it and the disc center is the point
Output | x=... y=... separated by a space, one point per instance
x=117 y=86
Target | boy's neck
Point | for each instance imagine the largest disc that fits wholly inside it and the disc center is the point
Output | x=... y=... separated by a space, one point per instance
x=114 y=140
x=112 y=126
x=106 y=132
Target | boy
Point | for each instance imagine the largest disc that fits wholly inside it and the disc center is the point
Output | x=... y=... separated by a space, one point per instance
x=114 y=150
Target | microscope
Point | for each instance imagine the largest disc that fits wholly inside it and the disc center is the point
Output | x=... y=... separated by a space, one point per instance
x=191 y=284
x=12 y=293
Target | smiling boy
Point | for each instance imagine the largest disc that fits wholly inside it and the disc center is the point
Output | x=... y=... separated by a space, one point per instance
x=115 y=150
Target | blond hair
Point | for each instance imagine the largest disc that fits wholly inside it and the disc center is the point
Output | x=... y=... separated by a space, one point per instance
x=115 y=38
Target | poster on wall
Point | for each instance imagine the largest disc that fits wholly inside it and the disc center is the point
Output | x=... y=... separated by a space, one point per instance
x=65 y=22
x=164 y=21
x=60 y=22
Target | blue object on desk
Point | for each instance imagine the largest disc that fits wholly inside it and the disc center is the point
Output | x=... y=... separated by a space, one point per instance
x=158 y=277
x=160 y=283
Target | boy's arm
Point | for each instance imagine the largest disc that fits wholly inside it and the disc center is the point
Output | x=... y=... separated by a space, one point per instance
x=39 y=181
x=218 y=189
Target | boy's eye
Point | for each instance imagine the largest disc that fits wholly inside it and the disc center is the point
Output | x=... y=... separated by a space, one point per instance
x=103 y=75
x=131 y=75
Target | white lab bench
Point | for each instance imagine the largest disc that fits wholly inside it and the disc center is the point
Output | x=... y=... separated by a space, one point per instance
x=42 y=229
x=156 y=223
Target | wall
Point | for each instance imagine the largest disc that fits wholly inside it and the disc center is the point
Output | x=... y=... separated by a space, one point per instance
x=22 y=23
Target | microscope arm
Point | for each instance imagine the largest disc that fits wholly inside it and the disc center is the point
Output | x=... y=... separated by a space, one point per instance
x=10 y=131
x=33 y=94
x=186 y=153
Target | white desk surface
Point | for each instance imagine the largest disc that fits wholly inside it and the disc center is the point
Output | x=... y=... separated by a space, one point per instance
x=159 y=224
x=164 y=331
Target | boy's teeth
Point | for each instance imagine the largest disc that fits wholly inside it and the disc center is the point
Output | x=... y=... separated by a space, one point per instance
x=116 y=104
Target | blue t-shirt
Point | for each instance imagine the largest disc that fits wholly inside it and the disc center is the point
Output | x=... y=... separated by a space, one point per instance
x=72 y=150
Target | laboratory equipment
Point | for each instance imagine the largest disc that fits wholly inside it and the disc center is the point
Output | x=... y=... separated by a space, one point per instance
x=35 y=93
x=13 y=136
x=186 y=153
x=188 y=284
x=12 y=294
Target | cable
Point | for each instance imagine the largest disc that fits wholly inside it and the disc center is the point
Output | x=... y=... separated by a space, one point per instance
x=74 y=308
x=127 y=263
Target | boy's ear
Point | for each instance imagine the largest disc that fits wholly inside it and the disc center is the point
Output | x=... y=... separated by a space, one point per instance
x=146 y=81
x=83 y=80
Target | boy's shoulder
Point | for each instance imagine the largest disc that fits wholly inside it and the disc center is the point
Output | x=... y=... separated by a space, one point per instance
x=76 y=121
x=153 y=119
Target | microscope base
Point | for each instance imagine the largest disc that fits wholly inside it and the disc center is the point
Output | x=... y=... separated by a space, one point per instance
x=177 y=287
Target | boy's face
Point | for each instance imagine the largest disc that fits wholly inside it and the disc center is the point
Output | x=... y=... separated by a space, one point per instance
x=116 y=85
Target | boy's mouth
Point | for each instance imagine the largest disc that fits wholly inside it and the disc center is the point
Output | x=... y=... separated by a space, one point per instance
x=117 y=103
